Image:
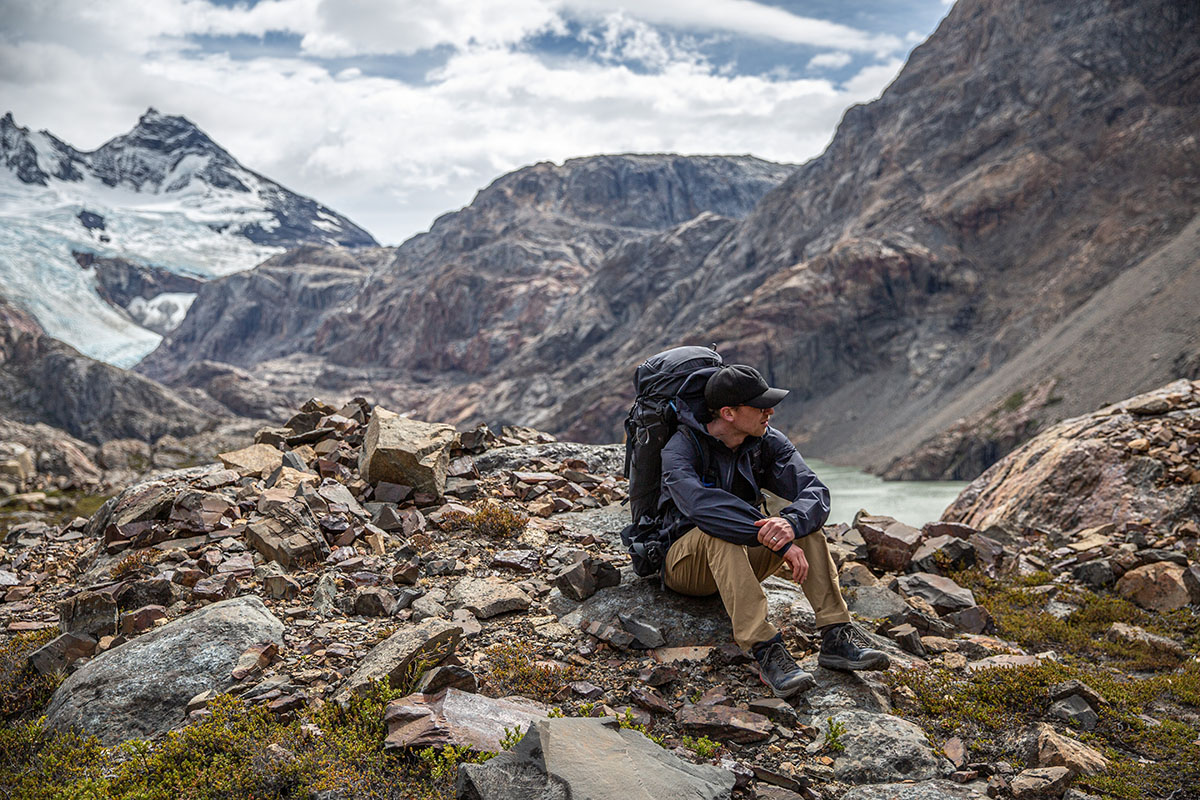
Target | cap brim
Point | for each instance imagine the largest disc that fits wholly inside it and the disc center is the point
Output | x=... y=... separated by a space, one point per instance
x=768 y=399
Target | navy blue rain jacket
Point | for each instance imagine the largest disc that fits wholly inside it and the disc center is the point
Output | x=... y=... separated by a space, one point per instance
x=700 y=490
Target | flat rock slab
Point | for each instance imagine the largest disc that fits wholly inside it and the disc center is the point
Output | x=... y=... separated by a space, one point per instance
x=593 y=759
x=923 y=790
x=683 y=621
x=142 y=688
x=875 y=602
x=404 y=655
x=724 y=723
x=942 y=593
x=257 y=459
x=487 y=597
x=881 y=748
x=457 y=718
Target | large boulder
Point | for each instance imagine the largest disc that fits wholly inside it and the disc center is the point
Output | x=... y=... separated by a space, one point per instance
x=406 y=451
x=592 y=758
x=1155 y=587
x=142 y=688
x=880 y=748
x=1105 y=467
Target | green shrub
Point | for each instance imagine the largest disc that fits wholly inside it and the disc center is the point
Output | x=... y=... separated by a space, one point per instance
x=494 y=521
x=703 y=747
x=514 y=670
x=22 y=690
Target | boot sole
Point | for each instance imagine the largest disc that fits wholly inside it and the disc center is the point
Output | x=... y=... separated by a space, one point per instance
x=845 y=664
x=800 y=688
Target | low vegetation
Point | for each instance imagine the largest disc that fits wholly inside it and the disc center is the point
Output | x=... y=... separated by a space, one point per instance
x=515 y=669
x=1150 y=751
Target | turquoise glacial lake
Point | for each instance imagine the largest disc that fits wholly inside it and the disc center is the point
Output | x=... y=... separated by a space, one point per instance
x=912 y=502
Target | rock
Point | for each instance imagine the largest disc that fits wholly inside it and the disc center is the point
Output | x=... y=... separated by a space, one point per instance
x=1061 y=691
x=257 y=460
x=374 y=602
x=453 y=717
x=1122 y=633
x=776 y=709
x=288 y=537
x=1041 y=782
x=1095 y=574
x=921 y=790
x=582 y=579
x=955 y=751
x=142 y=687
x=487 y=597
x=61 y=652
x=91 y=614
x=1055 y=750
x=517 y=560
x=1075 y=710
x=428 y=643
x=646 y=635
x=406 y=451
x=1155 y=587
x=215 y=587
x=890 y=544
x=943 y=554
x=280 y=587
x=143 y=619
x=908 y=638
x=723 y=723
x=880 y=748
x=942 y=593
x=448 y=677
x=1191 y=581
x=875 y=602
x=975 y=619
x=590 y=758
x=855 y=574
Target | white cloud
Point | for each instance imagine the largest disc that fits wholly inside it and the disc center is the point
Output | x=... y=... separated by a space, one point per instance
x=393 y=155
x=835 y=60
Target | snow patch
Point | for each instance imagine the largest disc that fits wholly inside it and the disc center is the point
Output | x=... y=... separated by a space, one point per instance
x=162 y=313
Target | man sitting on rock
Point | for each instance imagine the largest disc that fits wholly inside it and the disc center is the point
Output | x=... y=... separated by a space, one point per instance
x=713 y=477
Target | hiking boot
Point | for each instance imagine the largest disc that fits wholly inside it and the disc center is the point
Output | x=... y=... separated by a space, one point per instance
x=846 y=647
x=778 y=670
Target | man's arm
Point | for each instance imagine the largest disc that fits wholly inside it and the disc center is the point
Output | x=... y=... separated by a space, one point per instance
x=789 y=477
x=710 y=508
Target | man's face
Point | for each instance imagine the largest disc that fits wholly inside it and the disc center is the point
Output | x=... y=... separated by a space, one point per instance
x=750 y=420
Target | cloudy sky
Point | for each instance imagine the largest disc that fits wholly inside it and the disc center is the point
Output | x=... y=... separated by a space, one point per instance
x=395 y=111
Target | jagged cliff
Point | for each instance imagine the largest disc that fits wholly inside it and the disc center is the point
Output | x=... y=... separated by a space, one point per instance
x=1017 y=207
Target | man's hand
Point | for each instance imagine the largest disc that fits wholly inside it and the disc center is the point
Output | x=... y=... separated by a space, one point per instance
x=774 y=532
x=795 y=559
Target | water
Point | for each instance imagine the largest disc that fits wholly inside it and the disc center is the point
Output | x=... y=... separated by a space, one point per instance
x=912 y=502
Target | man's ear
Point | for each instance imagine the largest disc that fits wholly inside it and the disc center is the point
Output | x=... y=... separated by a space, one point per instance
x=726 y=413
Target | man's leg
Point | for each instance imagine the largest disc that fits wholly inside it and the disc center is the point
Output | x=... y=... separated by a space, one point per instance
x=821 y=586
x=842 y=645
x=698 y=564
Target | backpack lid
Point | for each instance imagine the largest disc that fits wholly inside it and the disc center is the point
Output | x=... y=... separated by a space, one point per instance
x=663 y=374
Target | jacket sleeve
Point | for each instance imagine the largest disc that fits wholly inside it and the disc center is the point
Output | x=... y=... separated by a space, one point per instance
x=710 y=508
x=789 y=477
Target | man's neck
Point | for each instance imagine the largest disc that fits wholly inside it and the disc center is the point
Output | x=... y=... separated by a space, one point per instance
x=725 y=434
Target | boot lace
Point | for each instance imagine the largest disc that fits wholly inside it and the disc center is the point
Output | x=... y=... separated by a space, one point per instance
x=850 y=634
x=779 y=660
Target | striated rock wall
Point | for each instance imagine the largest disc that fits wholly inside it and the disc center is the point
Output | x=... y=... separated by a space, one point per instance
x=1135 y=460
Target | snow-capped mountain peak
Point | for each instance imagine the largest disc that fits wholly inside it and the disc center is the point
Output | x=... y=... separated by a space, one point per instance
x=165 y=196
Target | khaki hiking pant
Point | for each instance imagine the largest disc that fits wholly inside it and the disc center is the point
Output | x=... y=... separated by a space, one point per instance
x=698 y=565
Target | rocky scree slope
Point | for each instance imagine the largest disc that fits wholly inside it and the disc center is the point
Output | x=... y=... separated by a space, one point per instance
x=481 y=576
x=1028 y=180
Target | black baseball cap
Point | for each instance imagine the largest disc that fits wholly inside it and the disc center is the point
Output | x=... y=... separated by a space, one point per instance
x=739 y=385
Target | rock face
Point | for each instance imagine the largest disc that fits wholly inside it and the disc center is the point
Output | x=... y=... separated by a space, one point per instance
x=588 y=758
x=143 y=688
x=43 y=380
x=1125 y=461
x=881 y=748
